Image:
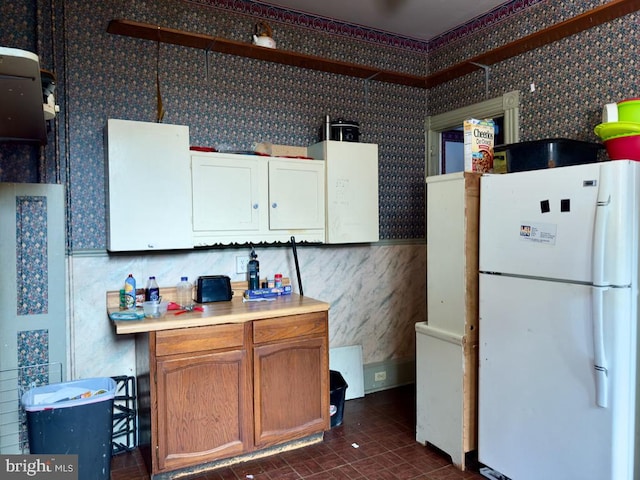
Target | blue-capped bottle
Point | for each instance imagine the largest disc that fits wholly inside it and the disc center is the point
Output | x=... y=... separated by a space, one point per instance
x=152 y=291
x=184 y=293
x=130 y=292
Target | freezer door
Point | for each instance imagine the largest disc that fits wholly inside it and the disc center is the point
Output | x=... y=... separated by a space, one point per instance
x=538 y=413
x=546 y=223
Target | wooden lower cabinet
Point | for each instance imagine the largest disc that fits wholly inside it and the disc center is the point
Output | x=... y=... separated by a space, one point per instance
x=291 y=378
x=203 y=409
x=225 y=390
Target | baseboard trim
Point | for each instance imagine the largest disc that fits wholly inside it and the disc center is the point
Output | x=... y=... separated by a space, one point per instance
x=397 y=372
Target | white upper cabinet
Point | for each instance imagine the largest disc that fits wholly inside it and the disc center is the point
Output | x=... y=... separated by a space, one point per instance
x=351 y=190
x=296 y=194
x=161 y=196
x=148 y=186
x=249 y=198
x=228 y=194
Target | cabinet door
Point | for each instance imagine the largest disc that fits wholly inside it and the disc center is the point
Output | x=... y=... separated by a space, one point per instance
x=452 y=252
x=204 y=408
x=291 y=378
x=148 y=187
x=229 y=194
x=352 y=190
x=296 y=194
x=32 y=298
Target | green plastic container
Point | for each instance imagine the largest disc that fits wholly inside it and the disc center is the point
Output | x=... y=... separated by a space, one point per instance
x=629 y=110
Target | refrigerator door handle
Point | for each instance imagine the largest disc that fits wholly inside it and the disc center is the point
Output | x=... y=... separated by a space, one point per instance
x=599 y=357
x=603 y=206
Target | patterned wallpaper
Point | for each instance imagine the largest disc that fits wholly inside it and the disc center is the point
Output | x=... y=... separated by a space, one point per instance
x=31 y=256
x=29 y=25
x=239 y=101
x=315 y=23
x=236 y=103
x=563 y=85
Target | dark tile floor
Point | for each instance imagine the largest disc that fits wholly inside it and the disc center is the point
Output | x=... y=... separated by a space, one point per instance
x=375 y=442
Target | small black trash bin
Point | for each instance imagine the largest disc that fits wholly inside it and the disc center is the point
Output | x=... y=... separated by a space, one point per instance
x=73 y=418
x=338 y=389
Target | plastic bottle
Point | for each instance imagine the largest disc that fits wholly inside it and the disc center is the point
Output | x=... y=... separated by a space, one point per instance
x=184 y=293
x=253 y=268
x=152 y=291
x=130 y=292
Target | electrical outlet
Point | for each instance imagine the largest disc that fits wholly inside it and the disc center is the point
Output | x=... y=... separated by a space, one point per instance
x=380 y=376
x=241 y=264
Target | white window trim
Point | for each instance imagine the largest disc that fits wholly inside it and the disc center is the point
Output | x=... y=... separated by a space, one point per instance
x=508 y=105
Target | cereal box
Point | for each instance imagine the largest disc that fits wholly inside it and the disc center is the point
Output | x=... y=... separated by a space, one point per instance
x=478 y=145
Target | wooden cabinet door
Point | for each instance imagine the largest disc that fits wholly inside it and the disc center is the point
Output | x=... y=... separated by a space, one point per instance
x=296 y=194
x=291 y=378
x=204 y=407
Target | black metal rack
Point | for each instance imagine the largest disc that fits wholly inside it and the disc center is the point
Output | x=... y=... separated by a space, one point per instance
x=125 y=415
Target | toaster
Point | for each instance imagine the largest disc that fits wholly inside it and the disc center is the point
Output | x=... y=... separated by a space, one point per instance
x=213 y=288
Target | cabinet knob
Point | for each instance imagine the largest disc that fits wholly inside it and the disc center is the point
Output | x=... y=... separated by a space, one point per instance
x=274 y=205
x=255 y=206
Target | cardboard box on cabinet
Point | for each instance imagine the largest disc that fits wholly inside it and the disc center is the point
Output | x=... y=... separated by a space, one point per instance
x=280 y=150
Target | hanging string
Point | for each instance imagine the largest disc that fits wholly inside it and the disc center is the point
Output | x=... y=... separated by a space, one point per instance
x=160 y=109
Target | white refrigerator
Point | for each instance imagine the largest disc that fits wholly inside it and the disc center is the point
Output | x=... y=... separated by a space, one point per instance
x=558 y=293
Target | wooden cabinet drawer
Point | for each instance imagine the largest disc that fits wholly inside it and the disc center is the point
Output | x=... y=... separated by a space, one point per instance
x=198 y=339
x=294 y=326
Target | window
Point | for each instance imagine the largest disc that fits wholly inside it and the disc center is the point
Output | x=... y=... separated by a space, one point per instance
x=506 y=108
